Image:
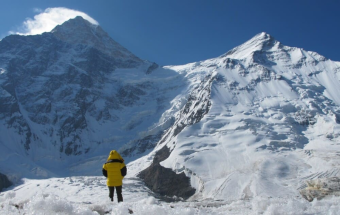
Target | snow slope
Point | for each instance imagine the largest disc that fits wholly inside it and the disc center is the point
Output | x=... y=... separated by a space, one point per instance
x=273 y=123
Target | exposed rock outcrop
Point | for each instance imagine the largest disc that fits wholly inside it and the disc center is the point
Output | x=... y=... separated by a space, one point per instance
x=163 y=180
x=4 y=182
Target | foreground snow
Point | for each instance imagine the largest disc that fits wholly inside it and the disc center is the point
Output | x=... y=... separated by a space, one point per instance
x=89 y=195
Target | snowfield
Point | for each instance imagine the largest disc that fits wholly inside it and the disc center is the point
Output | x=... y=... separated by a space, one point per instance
x=89 y=195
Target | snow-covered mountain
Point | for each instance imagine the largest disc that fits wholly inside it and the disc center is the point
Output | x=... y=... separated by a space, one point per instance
x=257 y=121
x=261 y=120
x=73 y=94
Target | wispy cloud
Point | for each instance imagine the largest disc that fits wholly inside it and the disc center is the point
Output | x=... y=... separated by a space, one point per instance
x=46 y=20
x=37 y=10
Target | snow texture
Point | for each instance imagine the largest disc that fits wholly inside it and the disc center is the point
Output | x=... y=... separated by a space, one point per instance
x=89 y=195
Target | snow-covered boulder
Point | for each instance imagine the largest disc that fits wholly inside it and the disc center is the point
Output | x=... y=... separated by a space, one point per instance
x=320 y=188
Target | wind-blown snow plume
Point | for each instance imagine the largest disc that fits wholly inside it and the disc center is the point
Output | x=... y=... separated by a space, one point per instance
x=48 y=19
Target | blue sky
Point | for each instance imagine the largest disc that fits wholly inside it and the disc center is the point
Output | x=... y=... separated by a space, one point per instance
x=183 y=31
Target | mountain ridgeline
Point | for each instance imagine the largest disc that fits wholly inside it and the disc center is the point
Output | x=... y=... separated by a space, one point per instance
x=74 y=92
x=255 y=120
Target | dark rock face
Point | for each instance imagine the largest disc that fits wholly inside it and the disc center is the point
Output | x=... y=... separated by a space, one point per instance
x=163 y=180
x=4 y=182
x=142 y=145
x=198 y=104
x=152 y=68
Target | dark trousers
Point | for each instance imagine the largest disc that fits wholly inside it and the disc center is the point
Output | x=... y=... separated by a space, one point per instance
x=118 y=191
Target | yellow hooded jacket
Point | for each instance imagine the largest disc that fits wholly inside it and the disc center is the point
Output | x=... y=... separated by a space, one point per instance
x=114 y=169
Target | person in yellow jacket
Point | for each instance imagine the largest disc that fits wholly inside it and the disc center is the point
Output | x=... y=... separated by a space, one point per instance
x=115 y=170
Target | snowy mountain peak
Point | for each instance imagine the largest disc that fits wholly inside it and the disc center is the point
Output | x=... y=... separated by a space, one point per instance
x=75 y=27
x=262 y=40
x=262 y=36
x=248 y=111
x=71 y=92
x=259 y=42
x=263 y=49
x=80 y=31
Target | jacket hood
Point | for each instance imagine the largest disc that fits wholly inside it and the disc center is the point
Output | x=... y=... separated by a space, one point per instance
x=114 y=155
